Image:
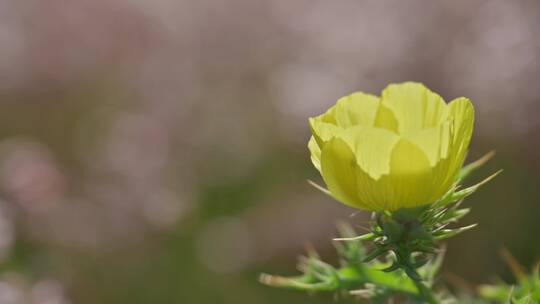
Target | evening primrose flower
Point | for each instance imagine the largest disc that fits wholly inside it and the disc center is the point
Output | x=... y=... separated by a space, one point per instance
x=400 y=150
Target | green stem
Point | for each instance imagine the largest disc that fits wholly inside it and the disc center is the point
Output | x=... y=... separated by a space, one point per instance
x=425 y=292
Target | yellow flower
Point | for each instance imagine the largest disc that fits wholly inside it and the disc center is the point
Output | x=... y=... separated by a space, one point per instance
x=401 y=150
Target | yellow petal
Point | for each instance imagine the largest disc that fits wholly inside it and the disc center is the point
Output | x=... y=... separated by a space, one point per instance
x=409 y=174
x=386 y=119
x=371 y=193
x=414 y=106
x=461 y=113
x=338 y=164
x=352 y=162
x=403 y=187
x=356 y=109
x=372 y=147
x=411 y=182
x=436 y=142
x=323 y=131
x=315 y=152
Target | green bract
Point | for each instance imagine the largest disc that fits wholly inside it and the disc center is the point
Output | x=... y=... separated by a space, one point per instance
x=401 y=150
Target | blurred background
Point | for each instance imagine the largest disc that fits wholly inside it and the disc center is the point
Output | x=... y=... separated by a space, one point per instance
x=155 y=151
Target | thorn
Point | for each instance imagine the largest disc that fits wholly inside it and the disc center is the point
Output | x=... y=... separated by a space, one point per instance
x=364 y=293
x=311 y=252
x=465 y=228
x=354 y=214
x=484 y=159
x=363 y=237
x=510 y=294
x=319 y=187
x=264 y=278
x=514 y=265
x=446 y=233
x=461 y=194
x=271 y=280
x=364 y=228
x=489 y=178
x=395 y=266
x=475 y=165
